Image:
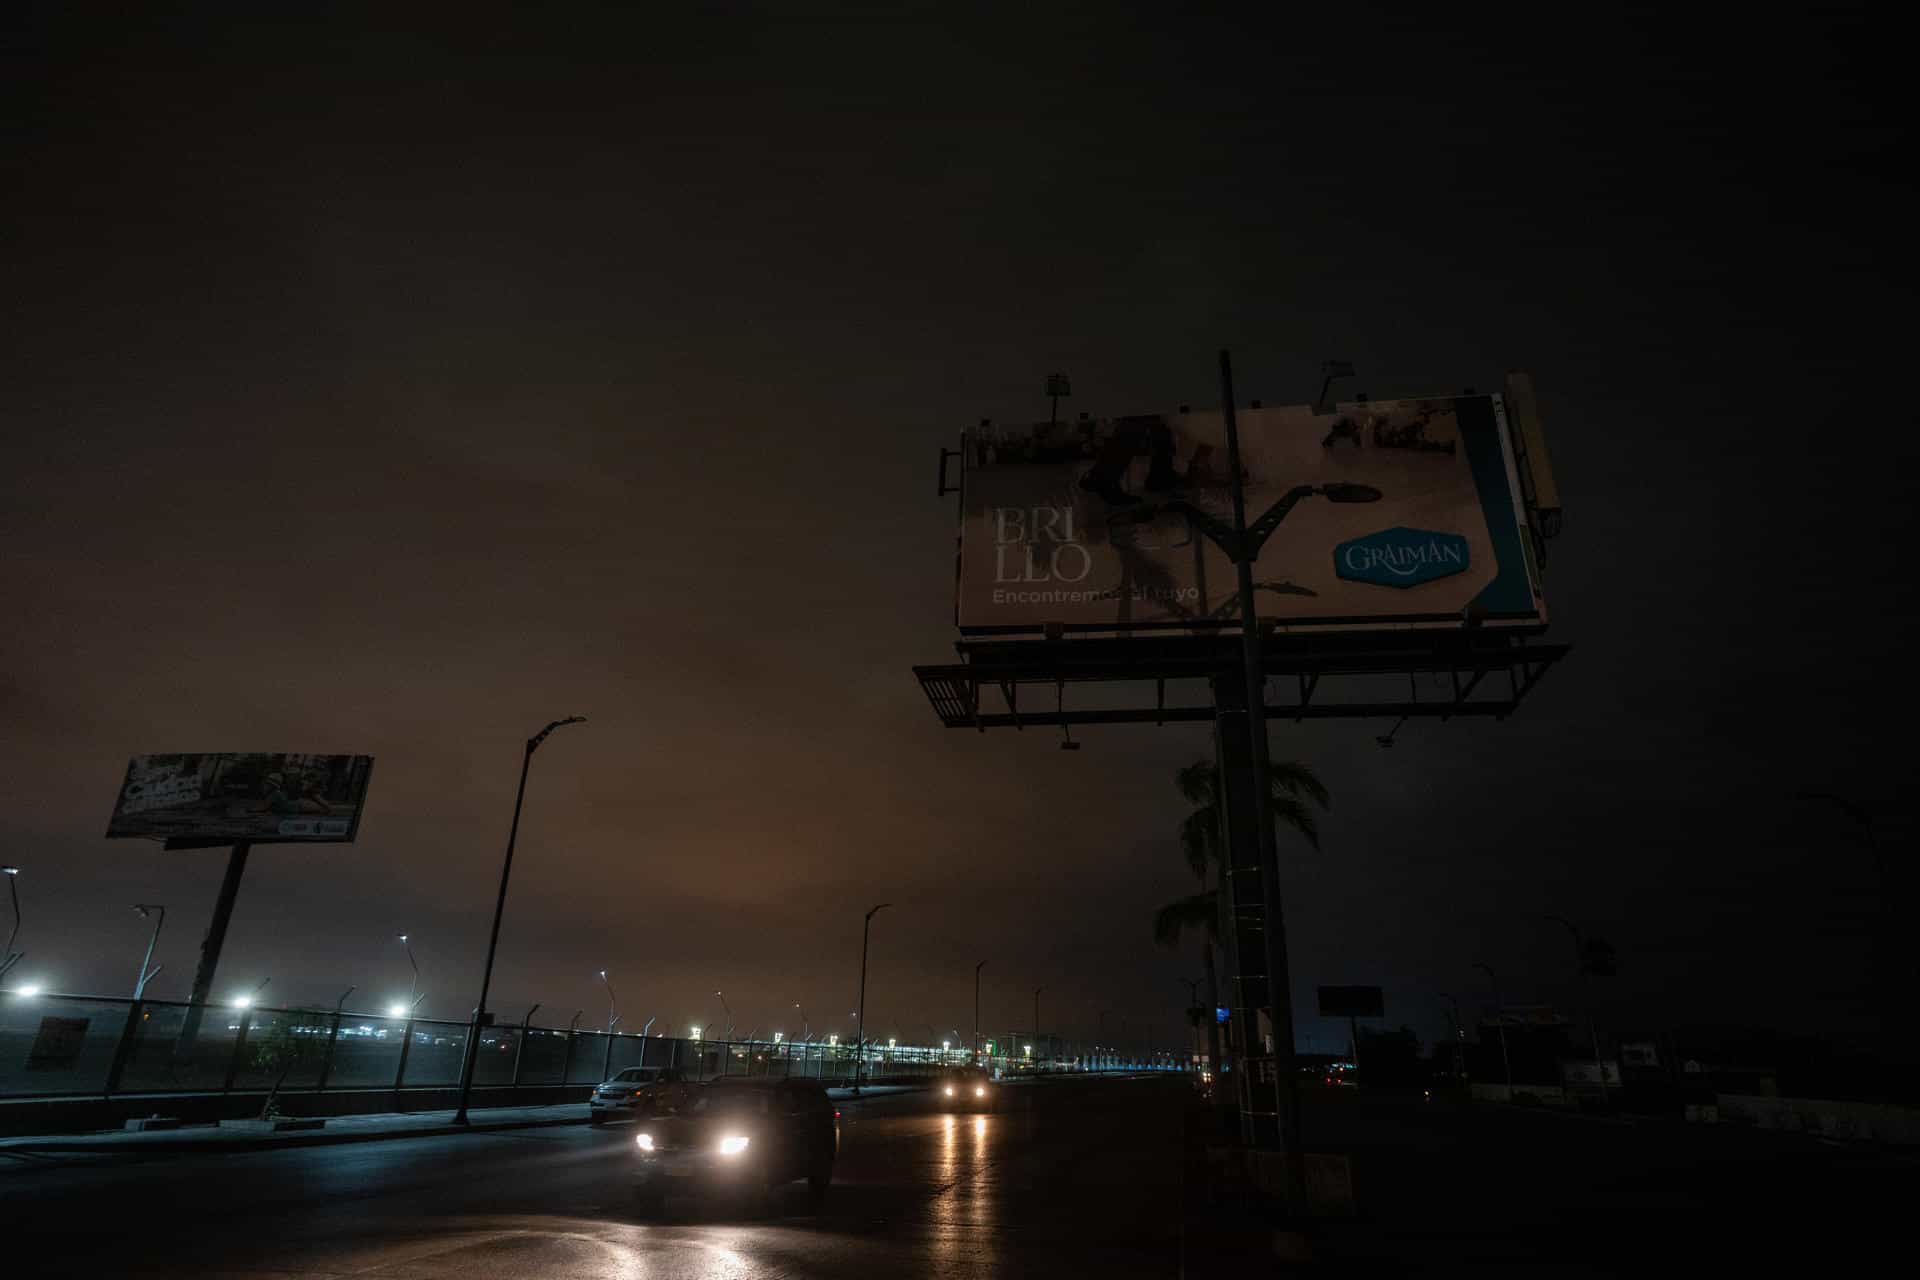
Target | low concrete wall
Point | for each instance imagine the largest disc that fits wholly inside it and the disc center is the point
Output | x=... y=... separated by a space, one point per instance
x=79 y=1115
x=1844 y=1121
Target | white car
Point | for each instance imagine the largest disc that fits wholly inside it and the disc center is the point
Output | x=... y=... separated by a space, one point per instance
x=618 y=1098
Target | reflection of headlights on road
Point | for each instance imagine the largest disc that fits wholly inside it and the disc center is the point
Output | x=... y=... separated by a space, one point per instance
x=949 y=1091
x=733 y=1144
x=644 y=1142
x=979 y=1091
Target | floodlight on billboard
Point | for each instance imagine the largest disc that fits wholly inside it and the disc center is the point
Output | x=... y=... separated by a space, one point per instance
x=1097 y=525
x=234 y=797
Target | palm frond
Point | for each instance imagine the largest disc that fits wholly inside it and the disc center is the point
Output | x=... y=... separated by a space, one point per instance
x=1196 y=782
x=1195 y=911
x=1291 y=777
x=1200 y=840
x=1294 y=813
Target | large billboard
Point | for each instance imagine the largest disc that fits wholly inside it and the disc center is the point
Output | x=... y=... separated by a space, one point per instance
x=257 y=797
x=1096 y=524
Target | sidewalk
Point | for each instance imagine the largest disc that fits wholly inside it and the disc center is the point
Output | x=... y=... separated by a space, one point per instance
x=367 y=1128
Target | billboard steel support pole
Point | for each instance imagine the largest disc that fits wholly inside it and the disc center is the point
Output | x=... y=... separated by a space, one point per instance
x=1279 y=996
x=210 y=947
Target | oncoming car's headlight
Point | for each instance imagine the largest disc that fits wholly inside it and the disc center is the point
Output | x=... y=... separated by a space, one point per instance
x=949 y=1091
x=644 y=1142
x=733 y=1144
x=979 y=1091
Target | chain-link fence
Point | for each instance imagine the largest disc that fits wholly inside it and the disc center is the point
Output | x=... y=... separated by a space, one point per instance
x=67 y=1046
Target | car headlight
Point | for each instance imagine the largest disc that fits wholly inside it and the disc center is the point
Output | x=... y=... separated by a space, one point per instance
x=979 y=1091
x=644 y=1142
x=949 y=1091
x=733 y=1144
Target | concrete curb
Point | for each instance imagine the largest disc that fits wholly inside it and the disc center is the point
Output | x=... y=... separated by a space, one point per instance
x=179 y=1146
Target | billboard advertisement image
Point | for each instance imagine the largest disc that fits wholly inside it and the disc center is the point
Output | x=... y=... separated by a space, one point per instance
x=1096 y=524
x=245 y=796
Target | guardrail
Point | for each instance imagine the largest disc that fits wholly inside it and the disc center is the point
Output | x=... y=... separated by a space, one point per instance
x=55 y=1046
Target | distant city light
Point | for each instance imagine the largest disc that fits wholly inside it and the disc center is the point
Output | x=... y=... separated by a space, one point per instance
x=696 y=1033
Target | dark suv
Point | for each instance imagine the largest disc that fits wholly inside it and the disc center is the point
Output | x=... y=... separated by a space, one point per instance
x=740 y=1137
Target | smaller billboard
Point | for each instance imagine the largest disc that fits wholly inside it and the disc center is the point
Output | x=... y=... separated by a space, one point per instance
x=1352 y=1002
x=256 y=797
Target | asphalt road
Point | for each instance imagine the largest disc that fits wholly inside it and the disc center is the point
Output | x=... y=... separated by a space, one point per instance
x=1077 y=1178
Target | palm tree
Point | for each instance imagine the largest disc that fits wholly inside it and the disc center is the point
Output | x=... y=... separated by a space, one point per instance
x=1293 y=789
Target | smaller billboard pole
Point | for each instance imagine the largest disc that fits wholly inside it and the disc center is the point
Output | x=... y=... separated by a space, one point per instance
x=210 y=947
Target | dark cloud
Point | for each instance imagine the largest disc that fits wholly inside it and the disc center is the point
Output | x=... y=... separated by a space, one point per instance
x=395 y=391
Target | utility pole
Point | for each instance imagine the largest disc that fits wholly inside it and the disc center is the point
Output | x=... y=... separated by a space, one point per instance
x=1036 y=1015
x=860 y=1031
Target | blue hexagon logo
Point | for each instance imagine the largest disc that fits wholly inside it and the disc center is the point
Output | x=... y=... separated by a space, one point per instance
x=1401 y=557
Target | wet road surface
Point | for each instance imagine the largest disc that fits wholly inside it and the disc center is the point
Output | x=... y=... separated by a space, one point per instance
x=1070 y=1178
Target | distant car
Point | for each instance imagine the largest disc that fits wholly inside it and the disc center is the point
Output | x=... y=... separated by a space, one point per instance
x=616 y=1099
x=744 y=1138
x=966 y=1090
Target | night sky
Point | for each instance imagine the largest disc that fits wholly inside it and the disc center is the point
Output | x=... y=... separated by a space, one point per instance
x=396 y=388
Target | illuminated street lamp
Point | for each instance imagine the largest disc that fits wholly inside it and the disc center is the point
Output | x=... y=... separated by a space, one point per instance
x=480 y=1016
x=246 y=999
x=696 y=1033
x=728 y=1033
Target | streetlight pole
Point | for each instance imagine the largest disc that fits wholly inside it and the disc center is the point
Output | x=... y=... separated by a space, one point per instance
x=413 y=992
x=806 y=1025
x=147 y=910
x=976 y=1011
x=1499 y=1012
x=1036 y=1014
x=1098 y=1055
x=610 y=1001
x=860 y=1036
x=1459 y=1038
x=727 y=1033
x=1586 y=992
x=10 y=957
x=472 y=1055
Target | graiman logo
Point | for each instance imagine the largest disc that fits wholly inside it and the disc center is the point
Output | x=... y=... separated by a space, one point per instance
x=1401 y=557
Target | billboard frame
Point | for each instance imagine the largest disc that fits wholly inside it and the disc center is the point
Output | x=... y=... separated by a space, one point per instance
x=1328 y=676
x=363 y=769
